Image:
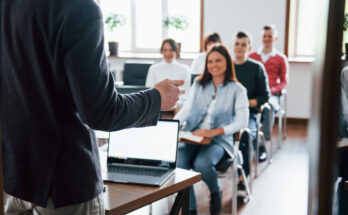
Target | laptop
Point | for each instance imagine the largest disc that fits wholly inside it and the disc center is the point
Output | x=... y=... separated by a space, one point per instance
x=143 y=155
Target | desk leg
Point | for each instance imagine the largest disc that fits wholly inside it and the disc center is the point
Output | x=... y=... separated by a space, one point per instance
x=186 y=202
x=182 y=201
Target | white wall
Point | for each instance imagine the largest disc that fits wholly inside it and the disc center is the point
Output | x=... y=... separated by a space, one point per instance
x=299 y=90
x=229 y=16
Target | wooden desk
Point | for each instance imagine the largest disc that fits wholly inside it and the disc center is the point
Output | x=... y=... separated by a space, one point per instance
x=124 y=198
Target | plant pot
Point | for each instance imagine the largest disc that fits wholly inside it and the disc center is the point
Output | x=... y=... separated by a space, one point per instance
x=178 y=50
x=113 y=48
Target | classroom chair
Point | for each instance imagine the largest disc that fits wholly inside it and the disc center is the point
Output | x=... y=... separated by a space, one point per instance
x=135 y=72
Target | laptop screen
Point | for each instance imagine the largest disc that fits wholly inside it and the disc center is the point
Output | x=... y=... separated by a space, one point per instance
x=153 y=143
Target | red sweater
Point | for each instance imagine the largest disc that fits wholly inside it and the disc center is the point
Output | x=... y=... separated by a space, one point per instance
x=277 y=68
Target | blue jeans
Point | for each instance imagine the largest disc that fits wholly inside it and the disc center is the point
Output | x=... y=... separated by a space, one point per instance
x=201 y=158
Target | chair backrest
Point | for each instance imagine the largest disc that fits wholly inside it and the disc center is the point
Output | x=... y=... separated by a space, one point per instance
x=193 y=77
x=135 y=72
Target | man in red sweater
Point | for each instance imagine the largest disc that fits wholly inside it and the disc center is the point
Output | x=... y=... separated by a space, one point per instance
x=277 y=68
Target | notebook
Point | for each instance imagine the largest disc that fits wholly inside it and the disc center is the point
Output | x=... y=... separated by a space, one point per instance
x=144 y=155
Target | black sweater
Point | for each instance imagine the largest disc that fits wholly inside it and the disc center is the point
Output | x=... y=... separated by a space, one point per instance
x=252 y=75
x=55 y=88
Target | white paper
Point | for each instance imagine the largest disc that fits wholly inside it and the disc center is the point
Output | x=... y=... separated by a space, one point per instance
x=188 y=135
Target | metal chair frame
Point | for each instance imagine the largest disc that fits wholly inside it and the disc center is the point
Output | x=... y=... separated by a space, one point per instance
x=234 y=167
x=282 y=117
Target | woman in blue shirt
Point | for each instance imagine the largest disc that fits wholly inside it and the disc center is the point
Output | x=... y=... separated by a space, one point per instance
x=216 y=107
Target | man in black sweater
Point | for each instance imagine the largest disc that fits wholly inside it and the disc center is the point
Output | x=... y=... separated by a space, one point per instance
x=55 y=87
x=252 y=75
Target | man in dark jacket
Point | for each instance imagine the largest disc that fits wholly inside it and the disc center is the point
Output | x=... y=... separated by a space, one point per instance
x=252 y=75
x=55 y=88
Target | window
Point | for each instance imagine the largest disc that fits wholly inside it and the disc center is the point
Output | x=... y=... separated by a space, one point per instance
x=144 y=31
x=345 y=33
x=302 y=32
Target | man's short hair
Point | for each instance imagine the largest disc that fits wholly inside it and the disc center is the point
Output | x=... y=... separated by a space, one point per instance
x=271 y=27
x=242 y=34
x=211 y=38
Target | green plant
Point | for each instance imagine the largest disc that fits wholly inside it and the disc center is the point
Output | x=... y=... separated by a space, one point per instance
x=114 y=20
x=178 y=22
x=345 y=24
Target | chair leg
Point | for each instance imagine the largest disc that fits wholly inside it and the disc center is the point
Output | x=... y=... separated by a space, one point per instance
x=256 y=154
x=280 y=120
x=234 y=188
x=250 y=171
x=284 y=117
x=270 y=130
x=246 y=196
x=284 y=126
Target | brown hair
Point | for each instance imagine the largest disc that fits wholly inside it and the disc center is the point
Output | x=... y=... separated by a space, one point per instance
x=171 y=42
x=242 y=34
x=230 y=73
x=211 y=38
x=272 y=28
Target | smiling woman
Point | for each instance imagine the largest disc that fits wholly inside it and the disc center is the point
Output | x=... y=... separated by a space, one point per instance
x=216 y=107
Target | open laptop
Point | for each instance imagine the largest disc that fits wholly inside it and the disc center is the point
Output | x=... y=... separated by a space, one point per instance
x=144 y=155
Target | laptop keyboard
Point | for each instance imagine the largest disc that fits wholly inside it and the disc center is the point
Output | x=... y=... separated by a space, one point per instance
x=137 y=171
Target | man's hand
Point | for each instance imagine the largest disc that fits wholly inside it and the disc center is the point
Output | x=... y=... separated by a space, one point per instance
x=209 y=132
x=169 y=90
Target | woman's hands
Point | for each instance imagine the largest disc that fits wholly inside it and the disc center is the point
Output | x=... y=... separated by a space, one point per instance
x=209 y=133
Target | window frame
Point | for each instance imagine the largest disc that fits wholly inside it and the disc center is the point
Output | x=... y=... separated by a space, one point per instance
x=291 y=31
x=136 y=50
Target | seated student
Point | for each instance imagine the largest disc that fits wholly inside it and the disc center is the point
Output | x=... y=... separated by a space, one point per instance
x=343 y=133
x=277 y=68
x=252 y=75
x=197 y=66
x=216 y=107
x=169 y=68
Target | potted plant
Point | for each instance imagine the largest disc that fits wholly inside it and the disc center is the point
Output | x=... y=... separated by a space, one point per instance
x=345 y=27
x=113 y=21
x=177 y=22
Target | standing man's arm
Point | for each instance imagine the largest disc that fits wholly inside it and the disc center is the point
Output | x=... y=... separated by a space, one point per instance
x=283 y=76
x=90 y=82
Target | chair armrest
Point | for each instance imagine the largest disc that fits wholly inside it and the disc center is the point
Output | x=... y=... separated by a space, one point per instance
x=265 y=106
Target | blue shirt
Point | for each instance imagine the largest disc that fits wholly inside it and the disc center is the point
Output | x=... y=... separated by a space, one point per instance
x=231 y=111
